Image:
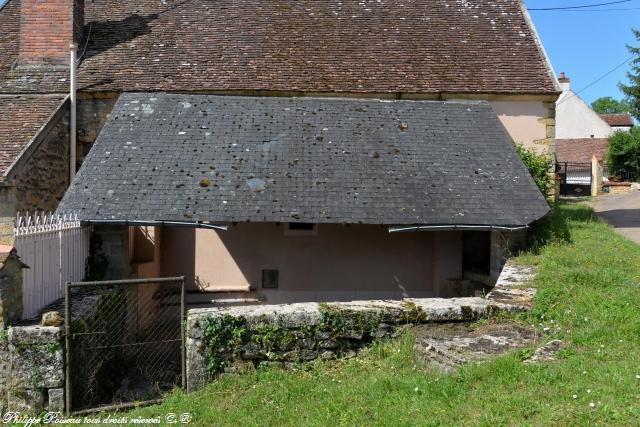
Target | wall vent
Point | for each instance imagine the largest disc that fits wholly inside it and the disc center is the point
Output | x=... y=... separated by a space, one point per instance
x=270 y=279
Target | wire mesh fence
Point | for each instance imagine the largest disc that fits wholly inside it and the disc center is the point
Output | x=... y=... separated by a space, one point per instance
x=124 y=342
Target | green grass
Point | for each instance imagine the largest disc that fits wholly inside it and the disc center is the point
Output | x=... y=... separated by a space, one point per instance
x=589 y=298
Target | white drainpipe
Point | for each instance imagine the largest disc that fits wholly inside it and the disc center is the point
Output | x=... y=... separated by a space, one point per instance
x=72 y=114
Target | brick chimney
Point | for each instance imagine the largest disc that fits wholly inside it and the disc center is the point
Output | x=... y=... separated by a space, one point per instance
x=565 y=82
x=47 y=28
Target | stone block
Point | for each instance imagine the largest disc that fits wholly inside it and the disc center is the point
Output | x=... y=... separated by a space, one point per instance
x=36 y=366
x=292 y=356
x=56 y=400
x=251 y=350
x=328 y=344
x=25 y=401
x=197 y=374
x=327 y=355
x=308 y=355
x=52 y=318
x=309 y=343
x=28 y=335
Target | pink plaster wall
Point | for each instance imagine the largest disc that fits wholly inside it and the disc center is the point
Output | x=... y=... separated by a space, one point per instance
x=522 y=120
x=340 y=263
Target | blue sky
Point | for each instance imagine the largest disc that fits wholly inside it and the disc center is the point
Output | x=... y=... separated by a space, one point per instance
x=585 y=45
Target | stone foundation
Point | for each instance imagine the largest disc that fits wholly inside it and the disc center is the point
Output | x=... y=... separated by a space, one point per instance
x=235 y=339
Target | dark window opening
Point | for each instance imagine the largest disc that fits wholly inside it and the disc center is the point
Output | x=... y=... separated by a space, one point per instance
x=270 y=279
x=301 y=226
x=476 y=252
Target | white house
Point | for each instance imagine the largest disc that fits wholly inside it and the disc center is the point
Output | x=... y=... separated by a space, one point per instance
x=574 y=117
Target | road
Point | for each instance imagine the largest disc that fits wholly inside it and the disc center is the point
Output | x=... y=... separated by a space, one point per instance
x=622 y=211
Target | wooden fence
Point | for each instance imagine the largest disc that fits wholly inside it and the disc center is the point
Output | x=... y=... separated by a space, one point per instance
x=55 y=248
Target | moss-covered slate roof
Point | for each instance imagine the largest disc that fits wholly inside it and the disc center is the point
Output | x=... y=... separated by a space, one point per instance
x=211 y=158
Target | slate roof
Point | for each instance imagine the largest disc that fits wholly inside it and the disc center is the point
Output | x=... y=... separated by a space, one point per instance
x=581 y=150
x=21 y=117
x=178 y=157
x=360 y=46
x=620 y=119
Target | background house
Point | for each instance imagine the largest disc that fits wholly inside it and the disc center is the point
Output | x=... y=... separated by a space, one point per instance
x=479 y=50
x=620 y=121
x=581 y=135
x=574 y=117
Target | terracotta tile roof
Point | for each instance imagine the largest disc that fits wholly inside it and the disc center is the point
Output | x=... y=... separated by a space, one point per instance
x=409 y=46
x=622 y=119
x=20 y=119
x=581 y=150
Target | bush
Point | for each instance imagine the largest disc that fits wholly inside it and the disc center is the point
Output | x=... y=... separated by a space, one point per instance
x=539 y=168
x=624 y=152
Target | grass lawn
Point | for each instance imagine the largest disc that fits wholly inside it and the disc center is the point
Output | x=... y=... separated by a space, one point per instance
x=589 y=298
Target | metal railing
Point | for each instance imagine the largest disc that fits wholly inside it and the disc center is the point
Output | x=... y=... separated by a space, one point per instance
x=618 y=174
x=55 y=249
x=125 y=342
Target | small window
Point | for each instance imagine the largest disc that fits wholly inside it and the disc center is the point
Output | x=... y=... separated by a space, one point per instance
x=301 y=229
x=301 y=226
x=270 y=279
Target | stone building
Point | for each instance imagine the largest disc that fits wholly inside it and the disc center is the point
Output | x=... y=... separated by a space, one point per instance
x=484 y=51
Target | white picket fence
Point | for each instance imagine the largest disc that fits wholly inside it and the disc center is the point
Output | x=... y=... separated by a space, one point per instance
x=55 y=248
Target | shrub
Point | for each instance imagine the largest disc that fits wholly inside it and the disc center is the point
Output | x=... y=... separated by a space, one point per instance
x=539 y=168
x=624 y=152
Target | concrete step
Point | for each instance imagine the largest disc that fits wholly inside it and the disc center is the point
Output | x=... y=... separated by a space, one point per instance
x=208 y=299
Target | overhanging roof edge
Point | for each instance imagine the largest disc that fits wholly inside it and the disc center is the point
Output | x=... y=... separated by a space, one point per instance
x=453 y=227
x=134 y=223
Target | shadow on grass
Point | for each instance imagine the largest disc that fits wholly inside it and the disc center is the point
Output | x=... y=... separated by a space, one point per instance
x=554 y=227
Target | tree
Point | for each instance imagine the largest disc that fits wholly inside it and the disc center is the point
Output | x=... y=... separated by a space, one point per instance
x=632 y=90
x=609 y=105
x=624 y=152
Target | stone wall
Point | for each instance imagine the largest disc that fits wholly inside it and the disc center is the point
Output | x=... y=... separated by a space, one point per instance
x=549 y=122
x=43 y=178
x=234 y=339
x=31 y=369
x=10 y=288
x=7 y=214
x=93 y=111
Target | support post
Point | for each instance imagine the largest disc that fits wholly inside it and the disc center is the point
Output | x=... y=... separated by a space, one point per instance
x=183 y=328
x=72 y=113
x=67 y=352
x=596 y=177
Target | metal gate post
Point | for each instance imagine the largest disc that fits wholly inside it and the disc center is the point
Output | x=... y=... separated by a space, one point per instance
x=67 y=341
x=183 y=333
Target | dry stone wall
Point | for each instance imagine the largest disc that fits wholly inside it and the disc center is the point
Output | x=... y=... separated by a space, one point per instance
x=31 y=369
x=234 y=339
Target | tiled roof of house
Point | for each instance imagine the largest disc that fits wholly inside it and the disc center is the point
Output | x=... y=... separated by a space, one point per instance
x=177 y=157
x=621 y=119
x=408 y=46
x=21 y=117
x=581 y=150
